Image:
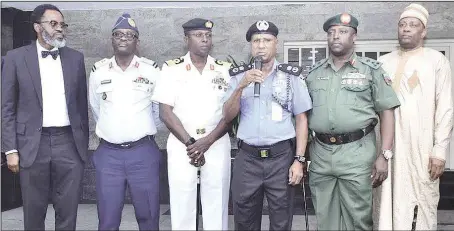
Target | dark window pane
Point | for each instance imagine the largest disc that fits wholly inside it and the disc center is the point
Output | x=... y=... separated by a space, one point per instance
x=384 y=53
x=443 y=52
x=359 y=54
x=372 y=55
x=320 y=54
x=306 y=58
x=293 y=54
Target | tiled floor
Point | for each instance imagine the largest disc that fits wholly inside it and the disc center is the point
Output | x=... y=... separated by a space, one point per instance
x=88 y=220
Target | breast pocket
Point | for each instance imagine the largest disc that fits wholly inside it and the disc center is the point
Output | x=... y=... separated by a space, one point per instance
x=105 y=93
x=318 y=96
x=354 y=91
x=142 y=91
x=247 y=97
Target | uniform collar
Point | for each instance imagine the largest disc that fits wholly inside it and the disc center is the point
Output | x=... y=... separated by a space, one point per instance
x=134 y=63
x=352 y=61
x=210 y=64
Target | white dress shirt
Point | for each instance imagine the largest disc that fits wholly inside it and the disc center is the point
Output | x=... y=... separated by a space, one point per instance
x=55 y=111
x=121 y=100
x=197 y=99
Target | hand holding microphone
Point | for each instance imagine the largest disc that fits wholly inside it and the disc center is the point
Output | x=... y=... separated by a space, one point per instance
x=254 y=75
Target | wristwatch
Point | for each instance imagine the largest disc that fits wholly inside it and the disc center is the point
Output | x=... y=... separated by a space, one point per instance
x=300 y=158
x=388 y=154
x=190 y=141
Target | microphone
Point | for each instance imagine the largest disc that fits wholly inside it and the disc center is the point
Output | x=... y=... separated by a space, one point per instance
x=257 y=65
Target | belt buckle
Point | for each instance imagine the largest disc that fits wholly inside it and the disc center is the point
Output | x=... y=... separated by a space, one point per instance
x=200 y=131
x=332 y=139
x=264 y=152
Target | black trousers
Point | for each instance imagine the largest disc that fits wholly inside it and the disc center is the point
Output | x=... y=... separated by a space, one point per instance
x=255 y=177
x=57 y=171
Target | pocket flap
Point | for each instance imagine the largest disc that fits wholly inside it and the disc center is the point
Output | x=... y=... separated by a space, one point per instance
x=104 y=88
x=20 y=128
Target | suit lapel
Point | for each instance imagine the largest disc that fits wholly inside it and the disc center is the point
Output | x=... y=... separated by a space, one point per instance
x=31 y=60
x=67 y=74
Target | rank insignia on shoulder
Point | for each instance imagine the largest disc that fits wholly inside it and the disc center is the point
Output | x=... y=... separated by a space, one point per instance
x=387 y=79
x=149 y=62
x=174 y=61
x=239 y=69
x=106 y=81
x=99 y=64
x=370 y=62
x=222 y=63
x=290 y=69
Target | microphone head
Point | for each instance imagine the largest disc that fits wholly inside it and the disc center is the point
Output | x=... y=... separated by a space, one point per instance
x=258 y=60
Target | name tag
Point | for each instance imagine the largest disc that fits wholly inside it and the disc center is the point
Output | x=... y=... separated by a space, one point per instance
x=323 y=78
x=276 y=111
x=106 y=81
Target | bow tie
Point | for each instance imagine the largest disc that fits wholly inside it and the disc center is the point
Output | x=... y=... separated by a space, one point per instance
x=54 y=54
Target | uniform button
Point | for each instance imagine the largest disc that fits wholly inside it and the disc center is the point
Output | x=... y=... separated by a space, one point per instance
x=39 y=129
x=332 y=90
x=261 y=117
x=263 y=102
x=332 y=129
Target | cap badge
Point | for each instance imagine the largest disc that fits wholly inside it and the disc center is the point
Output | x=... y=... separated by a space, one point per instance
x=262 y=25
x=345 y=18
x=131 y=22
x=208 y=24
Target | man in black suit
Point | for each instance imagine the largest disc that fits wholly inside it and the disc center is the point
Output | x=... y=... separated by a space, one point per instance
x=45 y=121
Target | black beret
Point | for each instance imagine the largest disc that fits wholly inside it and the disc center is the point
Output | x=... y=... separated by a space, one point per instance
x=198 y=24
x=344 y=19
x=126 y=22
x=261 y=27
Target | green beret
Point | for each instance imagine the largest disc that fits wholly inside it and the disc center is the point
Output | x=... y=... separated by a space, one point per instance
x=344 y=19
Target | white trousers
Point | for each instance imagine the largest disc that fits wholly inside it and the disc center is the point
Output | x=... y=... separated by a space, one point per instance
x=214 y=188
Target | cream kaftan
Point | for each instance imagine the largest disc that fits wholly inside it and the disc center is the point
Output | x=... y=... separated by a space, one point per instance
x=422 y=81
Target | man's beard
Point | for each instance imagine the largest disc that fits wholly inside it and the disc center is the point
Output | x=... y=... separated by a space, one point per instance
x=53 y=42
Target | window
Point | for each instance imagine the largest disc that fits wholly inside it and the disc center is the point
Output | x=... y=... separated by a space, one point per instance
x=305 y=54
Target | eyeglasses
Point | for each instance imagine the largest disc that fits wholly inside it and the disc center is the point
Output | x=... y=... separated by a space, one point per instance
x=54 y=24
x=411 y=24
x=200 y=35
x=129 y=36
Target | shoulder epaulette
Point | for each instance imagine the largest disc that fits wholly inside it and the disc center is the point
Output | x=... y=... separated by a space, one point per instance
x=370 y=62
x=239 y=69
x=149 y=62
x=99 y=64
x=222 y=63
x=174 y=61
x=317 y=64
x=290 y=69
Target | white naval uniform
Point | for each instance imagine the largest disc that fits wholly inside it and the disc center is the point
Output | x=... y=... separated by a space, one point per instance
x=130 y=118
x=197 y=100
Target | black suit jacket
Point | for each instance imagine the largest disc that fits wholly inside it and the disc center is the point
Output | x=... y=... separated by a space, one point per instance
x=22 y=104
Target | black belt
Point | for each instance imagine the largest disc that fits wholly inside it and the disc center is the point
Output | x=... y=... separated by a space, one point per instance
x=345 y=138
x=128 y=144
x=55 y=130
x=263 y=151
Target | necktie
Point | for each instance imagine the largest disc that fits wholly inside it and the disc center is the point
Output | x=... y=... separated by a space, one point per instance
x=54 y=54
